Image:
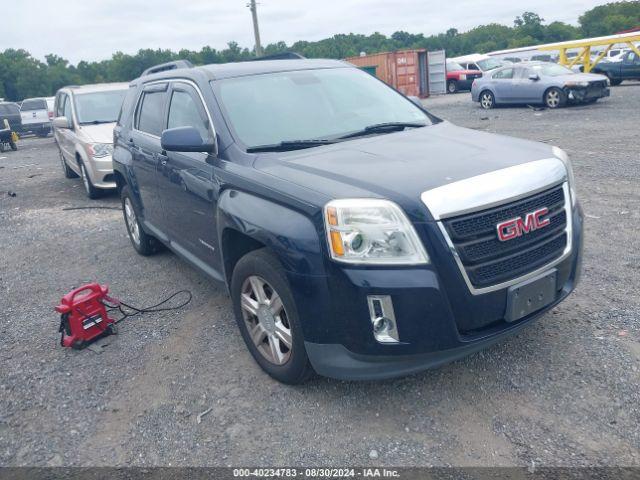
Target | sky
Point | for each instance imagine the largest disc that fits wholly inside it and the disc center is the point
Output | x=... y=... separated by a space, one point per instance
x=95 y=29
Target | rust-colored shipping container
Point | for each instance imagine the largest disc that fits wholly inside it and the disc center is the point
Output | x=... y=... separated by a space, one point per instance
x=404 y=70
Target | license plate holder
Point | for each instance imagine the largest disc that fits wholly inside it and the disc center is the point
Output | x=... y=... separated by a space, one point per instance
x=530 y=296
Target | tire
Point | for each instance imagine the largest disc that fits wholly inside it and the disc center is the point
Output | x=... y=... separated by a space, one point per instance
x=487 y=100
x=1 y=147
x=614 y=82
x=68 y=173
x=278 y=347
x=142 y=242
x=554 y=98
x=43 y=133
x=452 y=86
x=13 y=146
x=91 y=191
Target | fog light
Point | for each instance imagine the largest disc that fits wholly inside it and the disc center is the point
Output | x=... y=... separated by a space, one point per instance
x=383 y=319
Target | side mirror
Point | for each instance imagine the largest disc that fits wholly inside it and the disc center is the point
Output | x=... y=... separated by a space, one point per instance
x=415 y=100
x=185 y=139
x=534 y=77
x=61 y=122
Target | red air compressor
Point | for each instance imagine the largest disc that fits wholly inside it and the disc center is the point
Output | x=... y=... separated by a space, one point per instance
x=83 y=315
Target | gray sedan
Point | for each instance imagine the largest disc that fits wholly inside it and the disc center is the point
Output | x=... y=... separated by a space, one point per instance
x=538 y=82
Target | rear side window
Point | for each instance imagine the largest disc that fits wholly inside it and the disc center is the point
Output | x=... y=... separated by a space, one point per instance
x=9 y=109
x=150 y=118
x=503 y=74
x=35 y=104
x=127 y=104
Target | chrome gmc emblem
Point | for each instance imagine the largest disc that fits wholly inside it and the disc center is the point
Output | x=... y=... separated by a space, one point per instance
x=516 y=227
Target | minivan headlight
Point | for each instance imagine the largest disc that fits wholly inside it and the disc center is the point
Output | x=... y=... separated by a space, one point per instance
x=99 y=150
x=562 y=155
x=371 y=231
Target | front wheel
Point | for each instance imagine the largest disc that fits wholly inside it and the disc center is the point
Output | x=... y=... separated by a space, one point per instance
x=452 y=86
x=554 y=98
x=91 y=191
x=13 y=145
x=143 y=244
x=267 y=316
x=487 y=100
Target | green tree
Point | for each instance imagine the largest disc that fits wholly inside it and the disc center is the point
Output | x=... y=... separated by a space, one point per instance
x=610 y=18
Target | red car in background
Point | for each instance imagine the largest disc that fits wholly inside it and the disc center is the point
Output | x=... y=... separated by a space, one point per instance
x=459 y=78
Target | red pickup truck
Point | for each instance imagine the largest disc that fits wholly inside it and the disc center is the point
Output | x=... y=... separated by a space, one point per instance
x=458 y=78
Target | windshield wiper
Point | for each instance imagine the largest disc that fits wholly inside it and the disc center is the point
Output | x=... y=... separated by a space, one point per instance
x=383 y=128
x=287 y=145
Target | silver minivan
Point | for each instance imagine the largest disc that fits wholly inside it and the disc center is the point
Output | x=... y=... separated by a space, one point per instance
x=84 y=117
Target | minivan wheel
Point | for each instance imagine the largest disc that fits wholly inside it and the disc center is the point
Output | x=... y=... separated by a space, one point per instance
x=92 y=192
x=68 y=173
x=268 y=319
x=487 y=100
x=554 y=98
x=143 y=243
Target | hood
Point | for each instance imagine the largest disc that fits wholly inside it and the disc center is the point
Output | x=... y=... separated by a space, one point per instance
x=581 y=77
x=400 y=166
x=101 y=133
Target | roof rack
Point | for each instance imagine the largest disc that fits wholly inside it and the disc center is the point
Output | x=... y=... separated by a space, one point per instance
x=280 y=56
x=163 y=67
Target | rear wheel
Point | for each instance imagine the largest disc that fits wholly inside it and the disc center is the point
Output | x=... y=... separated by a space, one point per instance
x=92 y=192
x=613 y=81
x=452 y=86
x=487 y=100
x=13 y=145
x=143 y=244
x=554 y=98
x=267 y=316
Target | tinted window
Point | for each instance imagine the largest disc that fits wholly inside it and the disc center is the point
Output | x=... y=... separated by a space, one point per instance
x=35 y=104
x=507 y=73
x=60 y=105
x=9 y=109
x=150 y=114
x=98 y=107
x=185 y=112
x=633 y=57
x=127 y=103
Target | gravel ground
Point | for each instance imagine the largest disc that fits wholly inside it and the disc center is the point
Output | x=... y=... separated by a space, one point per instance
x=562 y=393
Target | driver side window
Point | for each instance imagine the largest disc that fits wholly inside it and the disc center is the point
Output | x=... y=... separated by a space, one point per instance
x=186 y=111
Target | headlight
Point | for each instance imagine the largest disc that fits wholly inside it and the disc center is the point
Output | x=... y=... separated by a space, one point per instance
x=577 y=84
x=99 y=150
x=371 y=231
x=562 y=155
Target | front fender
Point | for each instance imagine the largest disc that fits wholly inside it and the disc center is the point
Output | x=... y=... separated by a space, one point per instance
x=291 y=235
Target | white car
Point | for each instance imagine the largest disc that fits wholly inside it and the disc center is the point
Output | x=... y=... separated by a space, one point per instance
x=83 y=129
x=35 y=116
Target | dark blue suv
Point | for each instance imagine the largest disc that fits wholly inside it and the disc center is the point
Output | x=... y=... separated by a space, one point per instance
x=360 y=237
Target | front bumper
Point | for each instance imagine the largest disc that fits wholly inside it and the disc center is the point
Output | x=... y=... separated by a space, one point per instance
x=101 y=172
x=435 y=312
x=587 y=93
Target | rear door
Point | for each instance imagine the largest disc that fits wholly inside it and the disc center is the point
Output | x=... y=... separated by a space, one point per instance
x=503 y=85
x=187 y=185
x=144 y=141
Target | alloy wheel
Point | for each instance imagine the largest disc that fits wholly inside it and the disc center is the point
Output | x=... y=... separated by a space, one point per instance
x=266 y=319
x=132 y=221
x=553 y=98
x=85 y=178
x=486 y=100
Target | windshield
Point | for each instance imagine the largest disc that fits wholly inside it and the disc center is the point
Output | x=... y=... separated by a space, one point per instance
x=489 y=64
x=454 y=66
x=99 y=107
x=551 y=70
x=271 y=108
